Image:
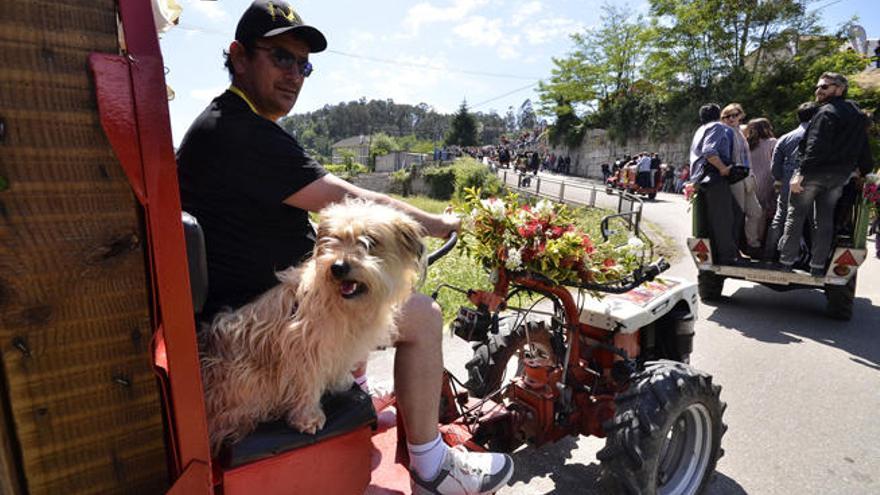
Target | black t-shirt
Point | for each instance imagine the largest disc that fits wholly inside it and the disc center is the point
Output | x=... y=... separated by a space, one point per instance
x=235 y=170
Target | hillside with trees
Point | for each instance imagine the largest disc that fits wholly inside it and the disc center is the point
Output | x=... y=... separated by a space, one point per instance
x=647 y=75
x=409 y=127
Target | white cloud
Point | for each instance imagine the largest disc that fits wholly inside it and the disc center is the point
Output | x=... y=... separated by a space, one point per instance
x=358 y=39
x=480 y=31
x=509 y=49
x=525 y=13
x=213 y=11
x=427 y=13
x=204 y=95
x=546 y=30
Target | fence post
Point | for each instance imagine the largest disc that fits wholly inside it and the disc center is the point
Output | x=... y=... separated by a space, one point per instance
x=538 y=187
x=593 y=197
x=638 y=221
x=562 y=192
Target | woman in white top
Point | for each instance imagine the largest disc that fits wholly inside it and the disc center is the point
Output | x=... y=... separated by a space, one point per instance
x=744 y=191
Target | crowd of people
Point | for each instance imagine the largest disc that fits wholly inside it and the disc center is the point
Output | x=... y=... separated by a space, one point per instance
x=760 y=191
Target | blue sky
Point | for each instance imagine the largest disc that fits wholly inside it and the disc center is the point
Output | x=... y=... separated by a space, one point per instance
x=440 y=52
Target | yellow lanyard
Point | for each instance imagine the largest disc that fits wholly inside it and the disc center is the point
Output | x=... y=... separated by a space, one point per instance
x=244 y=97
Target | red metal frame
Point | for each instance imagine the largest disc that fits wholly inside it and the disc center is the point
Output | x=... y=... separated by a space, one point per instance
x=537 y=390
x=132 y=102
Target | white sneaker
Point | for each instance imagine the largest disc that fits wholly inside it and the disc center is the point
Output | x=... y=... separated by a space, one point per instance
x=383 y=396
x=466 y=473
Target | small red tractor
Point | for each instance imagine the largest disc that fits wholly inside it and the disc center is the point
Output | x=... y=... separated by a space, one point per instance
x=625 y=178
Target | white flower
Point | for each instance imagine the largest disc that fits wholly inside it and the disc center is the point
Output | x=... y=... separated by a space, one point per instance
x=514 y=259
x=522 y=217
x=872 y=179
x=544 y=208
x=635 y=243
x=469 y=222
x=496 y=208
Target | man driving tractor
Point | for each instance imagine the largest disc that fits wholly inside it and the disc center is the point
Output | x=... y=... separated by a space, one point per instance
x=251 y=186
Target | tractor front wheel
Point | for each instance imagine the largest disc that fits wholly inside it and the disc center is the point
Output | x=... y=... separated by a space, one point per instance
x=500 y=358
x=665 y=437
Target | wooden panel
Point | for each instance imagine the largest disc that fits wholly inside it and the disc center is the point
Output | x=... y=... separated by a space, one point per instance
x=81 y=409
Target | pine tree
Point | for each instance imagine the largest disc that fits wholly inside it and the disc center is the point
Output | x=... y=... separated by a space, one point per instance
x=463 y=129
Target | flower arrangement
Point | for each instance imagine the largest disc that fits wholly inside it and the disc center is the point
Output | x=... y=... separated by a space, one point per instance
x=515 y=236
x=871 y=191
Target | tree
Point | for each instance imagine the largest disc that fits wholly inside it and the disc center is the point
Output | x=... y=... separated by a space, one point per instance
x=598 y=77
x=635 y=76
x=699 y=41
x=527 y=118
x=510 y=126
x=463 y=129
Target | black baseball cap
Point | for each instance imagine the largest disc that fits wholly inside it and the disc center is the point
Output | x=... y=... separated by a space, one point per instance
x=267 y=18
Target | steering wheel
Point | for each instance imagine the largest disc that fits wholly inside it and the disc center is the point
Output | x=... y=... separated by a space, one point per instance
x=444 y=249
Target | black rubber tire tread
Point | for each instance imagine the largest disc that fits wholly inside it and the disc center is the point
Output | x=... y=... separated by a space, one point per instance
x=486 y=369
x=709 y=285
x=645 y=413
x=840 y=300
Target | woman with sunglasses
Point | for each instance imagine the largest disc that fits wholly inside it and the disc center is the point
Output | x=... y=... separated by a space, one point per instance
x=744 y=191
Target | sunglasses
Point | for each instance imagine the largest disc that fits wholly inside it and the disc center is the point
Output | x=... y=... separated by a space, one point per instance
x=823 y=87
x=285 y=60
x=732 y=115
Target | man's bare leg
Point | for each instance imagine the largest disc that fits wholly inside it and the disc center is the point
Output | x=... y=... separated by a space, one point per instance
x=418 y=376
x=418 y=367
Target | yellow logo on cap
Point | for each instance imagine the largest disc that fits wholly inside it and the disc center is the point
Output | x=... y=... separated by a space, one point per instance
x=291 y=15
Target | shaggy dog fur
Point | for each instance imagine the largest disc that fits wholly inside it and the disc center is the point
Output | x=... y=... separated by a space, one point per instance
x=276 y=356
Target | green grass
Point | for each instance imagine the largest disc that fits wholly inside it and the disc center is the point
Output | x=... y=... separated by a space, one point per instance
x=460 y=271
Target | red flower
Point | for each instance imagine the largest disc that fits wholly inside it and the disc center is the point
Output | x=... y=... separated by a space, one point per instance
x=608 y=263
x=587 y=244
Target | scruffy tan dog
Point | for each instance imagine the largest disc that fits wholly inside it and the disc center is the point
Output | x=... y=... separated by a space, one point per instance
x=276 y=356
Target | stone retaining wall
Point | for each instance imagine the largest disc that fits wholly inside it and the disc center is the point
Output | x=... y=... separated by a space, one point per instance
x=597 y=149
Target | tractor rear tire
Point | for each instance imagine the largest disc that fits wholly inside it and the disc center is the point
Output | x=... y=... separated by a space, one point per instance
x=840 y=300
x=665 y=437
x=709 y=285
x=488 y=367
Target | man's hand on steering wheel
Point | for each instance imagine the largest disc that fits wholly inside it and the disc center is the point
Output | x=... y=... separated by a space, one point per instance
x=445 y=224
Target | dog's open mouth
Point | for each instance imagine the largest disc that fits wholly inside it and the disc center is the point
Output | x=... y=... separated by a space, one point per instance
x=351 y=288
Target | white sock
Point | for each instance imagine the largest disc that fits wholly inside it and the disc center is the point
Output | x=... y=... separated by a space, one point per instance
x=426 y=458
x=362 y=382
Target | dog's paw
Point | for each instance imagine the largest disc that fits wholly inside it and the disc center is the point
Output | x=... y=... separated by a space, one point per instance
x=308 y=421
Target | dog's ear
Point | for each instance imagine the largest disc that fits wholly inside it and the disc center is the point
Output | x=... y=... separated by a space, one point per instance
x=410 y=235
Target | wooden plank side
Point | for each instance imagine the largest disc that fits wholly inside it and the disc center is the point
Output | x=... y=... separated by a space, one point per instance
x=82 y=407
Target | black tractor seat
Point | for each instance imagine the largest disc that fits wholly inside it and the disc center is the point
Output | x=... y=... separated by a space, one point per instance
x=345 y=411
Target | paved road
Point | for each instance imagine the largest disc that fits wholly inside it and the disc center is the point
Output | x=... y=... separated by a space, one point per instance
x=803 y=391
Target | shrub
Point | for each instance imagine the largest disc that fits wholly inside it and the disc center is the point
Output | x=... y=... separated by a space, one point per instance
x=346 y=170
x=471 y=174
x=401 y=181
x=440 y=181
x=451 y=181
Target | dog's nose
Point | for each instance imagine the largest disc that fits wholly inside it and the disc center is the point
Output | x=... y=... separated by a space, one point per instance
x=339 y=268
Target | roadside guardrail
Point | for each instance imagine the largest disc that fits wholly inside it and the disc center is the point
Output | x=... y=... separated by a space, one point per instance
x=628 y=206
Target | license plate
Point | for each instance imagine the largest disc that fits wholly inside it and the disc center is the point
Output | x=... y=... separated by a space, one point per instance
x=769 y=277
